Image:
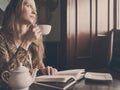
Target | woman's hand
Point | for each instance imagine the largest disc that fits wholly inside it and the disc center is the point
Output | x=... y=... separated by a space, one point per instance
x=33 y=34
x=49 y=71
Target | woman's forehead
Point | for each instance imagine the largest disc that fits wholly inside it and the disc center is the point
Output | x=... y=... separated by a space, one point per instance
x=29 y=1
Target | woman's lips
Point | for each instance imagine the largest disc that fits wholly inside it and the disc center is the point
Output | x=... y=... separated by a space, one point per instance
x=32 y=17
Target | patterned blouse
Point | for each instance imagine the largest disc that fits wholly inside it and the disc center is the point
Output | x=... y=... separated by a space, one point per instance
x=10 y=54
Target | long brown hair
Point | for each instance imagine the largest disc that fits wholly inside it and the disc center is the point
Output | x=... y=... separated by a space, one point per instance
x=9 y=24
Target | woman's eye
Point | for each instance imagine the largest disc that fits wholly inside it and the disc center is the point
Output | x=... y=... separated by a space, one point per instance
x=29 y=5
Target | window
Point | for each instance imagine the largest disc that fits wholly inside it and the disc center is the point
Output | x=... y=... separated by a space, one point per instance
x=118 y=14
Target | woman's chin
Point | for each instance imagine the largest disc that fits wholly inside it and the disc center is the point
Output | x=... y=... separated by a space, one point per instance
x=30 y=22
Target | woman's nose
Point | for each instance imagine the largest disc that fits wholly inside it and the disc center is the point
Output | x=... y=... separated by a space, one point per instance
x=34 y=12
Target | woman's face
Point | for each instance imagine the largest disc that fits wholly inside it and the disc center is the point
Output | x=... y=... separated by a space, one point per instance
x=28 y=12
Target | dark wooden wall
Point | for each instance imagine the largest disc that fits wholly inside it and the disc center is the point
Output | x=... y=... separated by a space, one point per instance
x=86 y=35
x=89 y=23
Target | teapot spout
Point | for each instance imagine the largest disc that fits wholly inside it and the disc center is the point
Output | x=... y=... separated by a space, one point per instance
x=34 y=73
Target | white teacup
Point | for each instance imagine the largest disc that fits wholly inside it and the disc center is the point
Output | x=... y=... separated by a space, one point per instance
x=45 y=29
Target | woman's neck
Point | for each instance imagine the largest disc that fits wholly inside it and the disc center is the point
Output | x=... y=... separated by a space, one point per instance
x=19 y=33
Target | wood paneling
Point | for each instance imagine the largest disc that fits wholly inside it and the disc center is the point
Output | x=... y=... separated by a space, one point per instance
x=89 y=23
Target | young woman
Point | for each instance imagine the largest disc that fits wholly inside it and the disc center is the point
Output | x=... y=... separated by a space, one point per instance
x=21 y=39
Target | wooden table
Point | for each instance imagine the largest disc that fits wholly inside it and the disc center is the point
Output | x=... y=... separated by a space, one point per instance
x=86 y=85
x=90 y=85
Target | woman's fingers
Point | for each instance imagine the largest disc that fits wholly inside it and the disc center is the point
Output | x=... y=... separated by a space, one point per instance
x=55 y=71
x=36 y=32
x=48 y=70
x=51 y=70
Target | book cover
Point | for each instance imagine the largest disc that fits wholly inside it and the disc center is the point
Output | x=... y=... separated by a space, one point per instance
x=58 y=85
x=98 y=76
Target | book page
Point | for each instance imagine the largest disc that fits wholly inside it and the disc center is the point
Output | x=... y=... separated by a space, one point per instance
x=62 y=76
x=53 y=78
x=76 y=73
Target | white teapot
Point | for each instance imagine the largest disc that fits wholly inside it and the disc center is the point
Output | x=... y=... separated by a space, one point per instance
x=20 y=78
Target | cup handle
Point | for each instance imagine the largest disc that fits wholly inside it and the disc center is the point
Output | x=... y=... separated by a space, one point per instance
x=5 y=76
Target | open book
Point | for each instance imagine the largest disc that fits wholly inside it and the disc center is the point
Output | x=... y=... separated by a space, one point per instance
x=62 y=80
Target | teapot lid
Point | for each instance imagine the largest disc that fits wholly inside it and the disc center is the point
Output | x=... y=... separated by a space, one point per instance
x=21 y=68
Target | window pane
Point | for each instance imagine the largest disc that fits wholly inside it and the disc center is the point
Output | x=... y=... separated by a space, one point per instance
x=118 y=14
